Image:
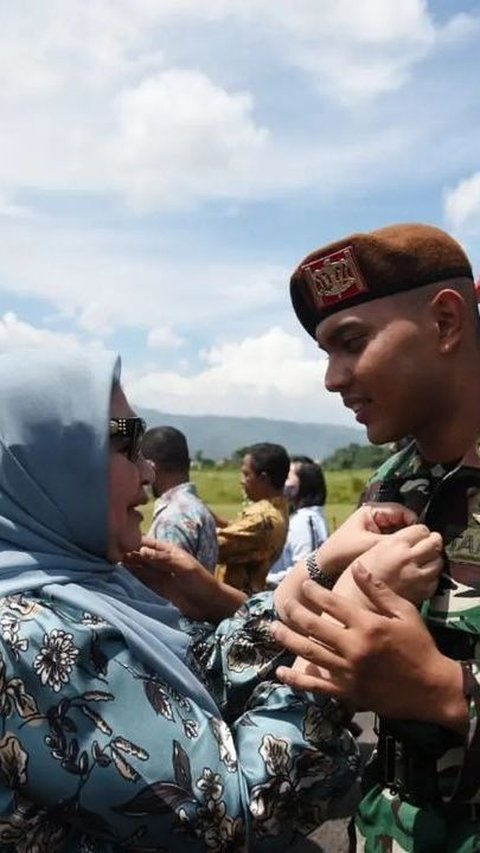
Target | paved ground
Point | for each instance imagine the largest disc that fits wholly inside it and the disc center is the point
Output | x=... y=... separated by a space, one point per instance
x=332 y=835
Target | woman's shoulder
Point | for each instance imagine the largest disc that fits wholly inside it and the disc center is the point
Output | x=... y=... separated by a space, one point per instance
x=51 y=638
x=36 y=610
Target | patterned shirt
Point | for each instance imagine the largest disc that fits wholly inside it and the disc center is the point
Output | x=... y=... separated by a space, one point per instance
x=98 y=754
x=251 y=543
x=428 y=801
x=180 y=516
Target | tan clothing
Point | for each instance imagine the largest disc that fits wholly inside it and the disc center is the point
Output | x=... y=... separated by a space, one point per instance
x=251 y=543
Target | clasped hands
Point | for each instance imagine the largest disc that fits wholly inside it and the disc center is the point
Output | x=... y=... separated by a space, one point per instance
x=365 y=642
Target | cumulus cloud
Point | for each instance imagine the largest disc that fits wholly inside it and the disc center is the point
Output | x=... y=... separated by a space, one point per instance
x=100 y=90
x=272 y=375
x=355 y=51
x=180 y=136
x=163 y=337
x=100 y=283
x=17 y=334
x=462 y=205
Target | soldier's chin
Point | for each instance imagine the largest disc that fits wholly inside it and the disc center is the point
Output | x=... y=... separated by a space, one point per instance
x=378 y=433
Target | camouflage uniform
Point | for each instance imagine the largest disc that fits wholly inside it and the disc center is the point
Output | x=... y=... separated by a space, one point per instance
x=421 y=792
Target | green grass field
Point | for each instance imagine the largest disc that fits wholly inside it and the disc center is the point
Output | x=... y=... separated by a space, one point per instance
x=221 y=490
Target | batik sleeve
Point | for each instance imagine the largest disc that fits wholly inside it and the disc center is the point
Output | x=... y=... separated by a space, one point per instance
x=241 y=537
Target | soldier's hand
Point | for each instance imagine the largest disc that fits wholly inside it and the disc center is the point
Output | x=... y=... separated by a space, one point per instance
x=385 y=661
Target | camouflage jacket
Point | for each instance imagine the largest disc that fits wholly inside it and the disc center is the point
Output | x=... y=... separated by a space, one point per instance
x=422 y=777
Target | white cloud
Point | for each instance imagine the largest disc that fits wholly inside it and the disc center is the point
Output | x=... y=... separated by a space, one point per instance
x=14 y=211
x=163 y=337
x=98 y=88
x=462 y=205
x=95 y=279
x=355 y=51
x=275 y=375
x=16 y=334
x=181 y=137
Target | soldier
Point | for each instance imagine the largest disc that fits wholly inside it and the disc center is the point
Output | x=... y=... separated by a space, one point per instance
x=395 y=310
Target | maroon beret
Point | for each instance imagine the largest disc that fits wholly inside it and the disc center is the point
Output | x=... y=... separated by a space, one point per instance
x=368 y=266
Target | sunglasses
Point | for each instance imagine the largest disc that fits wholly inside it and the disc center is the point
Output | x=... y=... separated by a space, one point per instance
x=126 y=435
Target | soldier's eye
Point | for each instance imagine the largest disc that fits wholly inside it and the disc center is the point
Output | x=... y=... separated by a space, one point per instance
x=355 y=343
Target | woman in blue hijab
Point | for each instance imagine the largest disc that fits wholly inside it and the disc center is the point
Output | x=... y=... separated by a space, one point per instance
x=126 y=726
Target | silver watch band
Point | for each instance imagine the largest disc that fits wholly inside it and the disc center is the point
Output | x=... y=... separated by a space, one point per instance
x=317 y=574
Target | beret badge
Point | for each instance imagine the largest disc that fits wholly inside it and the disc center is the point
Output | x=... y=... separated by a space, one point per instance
x=334 y=277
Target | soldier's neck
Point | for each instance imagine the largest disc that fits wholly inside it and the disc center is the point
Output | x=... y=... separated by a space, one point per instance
x=449 y=441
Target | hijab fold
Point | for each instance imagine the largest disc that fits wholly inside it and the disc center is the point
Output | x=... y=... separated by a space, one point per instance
x=54 y=450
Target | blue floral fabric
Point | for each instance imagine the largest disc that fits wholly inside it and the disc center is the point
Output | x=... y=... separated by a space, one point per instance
x=83 y=772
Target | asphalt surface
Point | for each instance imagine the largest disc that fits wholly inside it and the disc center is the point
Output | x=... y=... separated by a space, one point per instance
x=332 y=836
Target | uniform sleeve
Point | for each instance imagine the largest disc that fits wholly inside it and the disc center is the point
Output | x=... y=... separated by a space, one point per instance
x=92 y=740
x=458 y=764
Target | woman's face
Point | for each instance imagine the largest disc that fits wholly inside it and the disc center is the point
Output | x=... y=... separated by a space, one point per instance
x=292 y=482
x=127 y=481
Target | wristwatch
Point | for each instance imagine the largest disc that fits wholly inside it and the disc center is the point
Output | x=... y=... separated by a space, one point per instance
x=317 y=574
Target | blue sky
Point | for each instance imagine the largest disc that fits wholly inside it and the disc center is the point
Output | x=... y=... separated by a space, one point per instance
x=166 y=163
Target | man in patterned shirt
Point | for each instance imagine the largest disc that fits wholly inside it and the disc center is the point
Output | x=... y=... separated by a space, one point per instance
x=395 y=310
x=179 y=515
x=250 y=544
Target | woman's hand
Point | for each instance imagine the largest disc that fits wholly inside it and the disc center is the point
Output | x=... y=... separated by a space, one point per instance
x=177 y=576
x=360 y=532
x=409 y=561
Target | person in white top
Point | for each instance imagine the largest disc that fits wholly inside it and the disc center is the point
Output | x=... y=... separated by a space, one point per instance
x=308 y=527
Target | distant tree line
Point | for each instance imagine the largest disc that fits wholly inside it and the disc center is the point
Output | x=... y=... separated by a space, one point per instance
x=356 y=456
x=352 y=457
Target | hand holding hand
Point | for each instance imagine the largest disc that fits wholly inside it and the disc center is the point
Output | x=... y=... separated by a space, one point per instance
x=360 y=532
x=385 y=661
x=409 y=561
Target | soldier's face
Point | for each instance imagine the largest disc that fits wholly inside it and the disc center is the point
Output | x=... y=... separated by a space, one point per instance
x=382 y=360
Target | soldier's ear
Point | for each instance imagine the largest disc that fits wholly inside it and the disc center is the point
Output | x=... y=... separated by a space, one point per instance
x=449 y=314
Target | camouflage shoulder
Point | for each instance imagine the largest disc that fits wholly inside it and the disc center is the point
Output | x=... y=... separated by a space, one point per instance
x=394 y=464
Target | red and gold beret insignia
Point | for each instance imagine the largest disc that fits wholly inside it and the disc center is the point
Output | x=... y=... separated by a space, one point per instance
x=334 y=277
x=372 y=265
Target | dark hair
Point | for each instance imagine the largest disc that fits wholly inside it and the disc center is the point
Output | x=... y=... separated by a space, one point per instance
x=306 y=459
x=167 y=447
x=272 y=460
x=312 y=489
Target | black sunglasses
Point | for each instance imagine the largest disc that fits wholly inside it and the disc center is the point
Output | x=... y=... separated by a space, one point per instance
x=126 y=435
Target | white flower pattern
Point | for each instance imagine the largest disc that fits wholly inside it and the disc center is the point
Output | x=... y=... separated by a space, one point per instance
x=228 y=784
x=56 y=658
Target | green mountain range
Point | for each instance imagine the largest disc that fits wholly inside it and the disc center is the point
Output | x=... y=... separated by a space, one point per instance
x=218 y=437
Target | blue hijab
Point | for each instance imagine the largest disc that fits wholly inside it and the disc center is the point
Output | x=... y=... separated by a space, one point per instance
x=54 y=450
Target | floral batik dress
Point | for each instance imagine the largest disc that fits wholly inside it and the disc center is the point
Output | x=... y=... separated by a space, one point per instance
x=98 y=753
